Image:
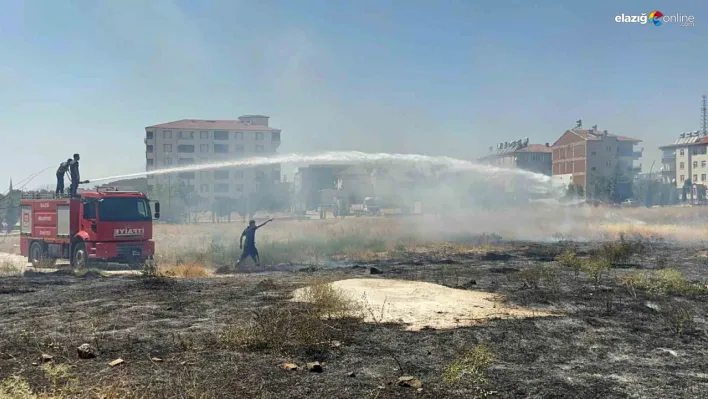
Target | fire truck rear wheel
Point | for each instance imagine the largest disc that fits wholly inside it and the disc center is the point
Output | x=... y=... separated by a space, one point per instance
x=38 y=256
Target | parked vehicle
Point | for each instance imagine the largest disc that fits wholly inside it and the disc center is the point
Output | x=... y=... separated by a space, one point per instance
x=96 y=226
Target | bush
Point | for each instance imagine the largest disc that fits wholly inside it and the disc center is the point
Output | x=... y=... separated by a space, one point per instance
x=471 y=368
x=634 y=281
x=16 y=388
x=325 y=315
x=620 y=252
x=569 y=259
x=661 y=282
x=678 y=317
x=10 y=268
x=186 y=271
x=150 y=269
x=596 y=269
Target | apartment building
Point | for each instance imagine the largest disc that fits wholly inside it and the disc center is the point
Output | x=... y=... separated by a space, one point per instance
x=589 y=156
x=198 y=141
x=686 y=159
x=520 y=154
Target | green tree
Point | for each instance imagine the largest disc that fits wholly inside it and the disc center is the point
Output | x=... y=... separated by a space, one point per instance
x=701 y=192
x=686 y=190
x=10 y=206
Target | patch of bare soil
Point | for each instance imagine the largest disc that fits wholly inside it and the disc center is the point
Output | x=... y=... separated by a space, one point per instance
x=419 y=305
x=186 y=338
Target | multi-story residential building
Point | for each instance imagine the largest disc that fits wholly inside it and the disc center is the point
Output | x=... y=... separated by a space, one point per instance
x=590 y=157
x=686 y=159
x=197 y=141
x=520 y=154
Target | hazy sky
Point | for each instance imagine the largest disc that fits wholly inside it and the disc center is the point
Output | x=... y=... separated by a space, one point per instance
x=433 y=77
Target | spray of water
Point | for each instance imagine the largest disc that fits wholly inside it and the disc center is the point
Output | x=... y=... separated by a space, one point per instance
x=451 y=165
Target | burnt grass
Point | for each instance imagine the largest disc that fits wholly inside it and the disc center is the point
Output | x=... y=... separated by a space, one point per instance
x=608 y=343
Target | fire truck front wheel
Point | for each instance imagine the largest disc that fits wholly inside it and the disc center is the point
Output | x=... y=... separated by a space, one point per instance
x=79 y=257
x=38 y=256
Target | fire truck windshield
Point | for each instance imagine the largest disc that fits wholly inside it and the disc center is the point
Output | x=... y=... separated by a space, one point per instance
x=124 y=210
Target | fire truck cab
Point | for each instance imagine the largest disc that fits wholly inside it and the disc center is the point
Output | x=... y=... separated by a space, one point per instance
x=96 y=226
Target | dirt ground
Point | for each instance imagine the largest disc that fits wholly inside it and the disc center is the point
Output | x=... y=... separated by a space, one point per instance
x=172 y=334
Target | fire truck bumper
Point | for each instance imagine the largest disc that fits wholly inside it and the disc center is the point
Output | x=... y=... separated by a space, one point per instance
x=122 y=252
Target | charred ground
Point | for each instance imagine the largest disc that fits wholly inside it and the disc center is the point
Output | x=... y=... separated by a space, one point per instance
x=620 y=336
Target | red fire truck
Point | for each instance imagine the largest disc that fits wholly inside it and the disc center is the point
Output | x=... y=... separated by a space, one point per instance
x=103 y=225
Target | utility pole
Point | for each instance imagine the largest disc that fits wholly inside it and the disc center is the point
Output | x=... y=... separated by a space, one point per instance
x=704 y=116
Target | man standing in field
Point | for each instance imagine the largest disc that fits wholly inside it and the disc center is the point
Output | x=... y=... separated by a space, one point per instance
x=250 y=248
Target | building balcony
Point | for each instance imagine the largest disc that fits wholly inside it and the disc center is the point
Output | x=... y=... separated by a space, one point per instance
x=668 y=160
x=630 y=154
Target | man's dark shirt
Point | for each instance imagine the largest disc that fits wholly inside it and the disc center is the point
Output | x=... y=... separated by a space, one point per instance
x=250 y=234
x=74 y=170
x=62 y=168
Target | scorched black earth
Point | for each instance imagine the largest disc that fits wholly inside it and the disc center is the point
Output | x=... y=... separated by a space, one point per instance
x=634 y=330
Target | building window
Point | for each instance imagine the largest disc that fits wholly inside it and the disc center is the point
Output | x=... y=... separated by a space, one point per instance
x=593 y=153
x=681 y=152
x=681 y=166
x=238 y=149
x=150 y=187
x=695 y=178
x=239 y=135
x=682 y=178
x=259 y=148
x=221 y=174
x=703 y=164
x=275 y=136
x=149 y=135
x=204 y=147
x=167 y=147
x=609 y=148
x=703 y=177
x=221 y=135
x=148 y=148
x=204 y=135
x=150 y=162
x=167 y=134
x=221 y=148
x=238 y=174
x=185 y=161
x=221 y=188
x=259 y=135
x=204 y=174
x=239 y=188
x=187 y=176
x=186 y=135
x=204 y=188
x=185 y=148
x=695 y=164
x=168 y=161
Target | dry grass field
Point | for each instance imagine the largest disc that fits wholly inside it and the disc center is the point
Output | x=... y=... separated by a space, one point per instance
x=424 y=307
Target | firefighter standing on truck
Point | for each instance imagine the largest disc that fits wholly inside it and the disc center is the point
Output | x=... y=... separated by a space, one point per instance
x=61 y=171
x=74 y=173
